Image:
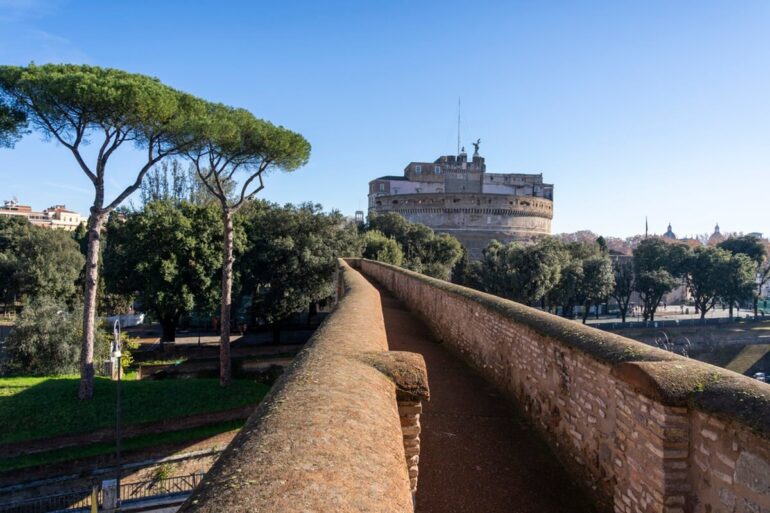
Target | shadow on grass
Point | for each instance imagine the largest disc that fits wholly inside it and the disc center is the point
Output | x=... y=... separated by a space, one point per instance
x=34 y=408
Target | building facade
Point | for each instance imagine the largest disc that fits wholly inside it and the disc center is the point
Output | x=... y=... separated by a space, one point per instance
x=458 y=196
x=56 y=217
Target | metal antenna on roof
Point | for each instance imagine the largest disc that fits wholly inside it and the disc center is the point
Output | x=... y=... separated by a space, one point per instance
x=458 y=125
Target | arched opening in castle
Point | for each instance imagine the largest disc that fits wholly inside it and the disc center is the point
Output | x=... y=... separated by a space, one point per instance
x=456 y=196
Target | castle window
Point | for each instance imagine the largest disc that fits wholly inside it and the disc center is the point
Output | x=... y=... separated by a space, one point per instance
x=382 y=187
x=437 y=170
x=417 y=170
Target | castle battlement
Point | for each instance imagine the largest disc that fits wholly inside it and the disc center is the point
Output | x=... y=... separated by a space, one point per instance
x=458 y=196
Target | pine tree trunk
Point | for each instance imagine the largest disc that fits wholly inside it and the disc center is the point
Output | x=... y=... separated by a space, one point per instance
x=86 y=390
x=227 y=289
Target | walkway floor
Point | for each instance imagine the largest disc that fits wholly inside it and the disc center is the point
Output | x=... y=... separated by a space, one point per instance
x=477 y=452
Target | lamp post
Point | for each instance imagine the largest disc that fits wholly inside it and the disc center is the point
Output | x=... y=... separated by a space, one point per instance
x=116 y=355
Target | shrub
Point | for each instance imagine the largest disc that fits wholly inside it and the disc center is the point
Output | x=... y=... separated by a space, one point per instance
x=46 y=339
x=379 y=247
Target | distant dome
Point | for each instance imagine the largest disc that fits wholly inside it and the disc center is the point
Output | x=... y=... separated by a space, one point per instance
x=716 y=237
x=669 y=233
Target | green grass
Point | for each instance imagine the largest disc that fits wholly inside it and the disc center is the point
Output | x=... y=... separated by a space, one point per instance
x=40 y=407
x=131 y=444
x=161 y=362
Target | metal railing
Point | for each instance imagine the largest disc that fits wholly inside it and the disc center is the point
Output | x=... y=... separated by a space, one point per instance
x=158 y=487
x=70 y=501
x=80 y=500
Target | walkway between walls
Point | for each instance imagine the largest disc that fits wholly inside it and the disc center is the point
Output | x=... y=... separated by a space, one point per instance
x=477 y=454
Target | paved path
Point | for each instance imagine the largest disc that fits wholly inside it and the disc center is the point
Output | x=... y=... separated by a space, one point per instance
x=478 y=455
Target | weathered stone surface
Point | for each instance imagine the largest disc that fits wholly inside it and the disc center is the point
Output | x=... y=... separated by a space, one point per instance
x=407 y=370
x=754 y=472
x=644 y=430
x=328 y=436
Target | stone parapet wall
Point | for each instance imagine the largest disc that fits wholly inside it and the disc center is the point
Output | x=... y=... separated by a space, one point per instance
x=643 y=430
x=339 y=431
x=472 y=203
x=475 y=219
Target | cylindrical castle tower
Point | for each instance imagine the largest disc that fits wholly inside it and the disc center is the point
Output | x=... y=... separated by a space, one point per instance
x=460 y=198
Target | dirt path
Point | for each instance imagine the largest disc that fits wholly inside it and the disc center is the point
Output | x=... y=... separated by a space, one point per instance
x=477 y=452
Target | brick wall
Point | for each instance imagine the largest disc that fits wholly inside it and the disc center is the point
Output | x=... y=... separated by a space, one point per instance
x=338 y=432
x=642 y=429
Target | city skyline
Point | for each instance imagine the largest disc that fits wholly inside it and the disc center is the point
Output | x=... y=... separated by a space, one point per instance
x=654 y=111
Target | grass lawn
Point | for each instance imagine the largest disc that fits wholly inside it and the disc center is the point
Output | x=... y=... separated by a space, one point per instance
x=135 y=443
x=40 y=407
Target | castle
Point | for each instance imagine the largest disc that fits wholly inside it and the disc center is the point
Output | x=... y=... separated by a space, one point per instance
x=456 y=196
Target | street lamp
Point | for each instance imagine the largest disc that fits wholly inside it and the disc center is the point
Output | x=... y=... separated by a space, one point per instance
x=116 y=357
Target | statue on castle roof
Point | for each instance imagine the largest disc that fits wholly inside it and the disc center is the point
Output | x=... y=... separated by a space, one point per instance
x=476 y=147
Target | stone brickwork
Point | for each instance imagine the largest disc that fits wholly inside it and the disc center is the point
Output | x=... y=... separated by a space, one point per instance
x=339 y=431
x=644 y=430
x=475 y=219
x=409 y=410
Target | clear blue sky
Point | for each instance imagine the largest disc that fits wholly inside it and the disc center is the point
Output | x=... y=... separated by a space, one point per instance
x=629 y=108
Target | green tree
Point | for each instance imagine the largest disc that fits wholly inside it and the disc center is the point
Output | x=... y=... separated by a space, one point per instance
x=49 y=264
x=291 y=256
x=656 y=272
x=166 y=182
x=598 y=282
x=234 y=147
x=756 y=250
x=625 y=285
x=12 y=124
x=737 y=280
x=652 y=286
x=522 y=273
x=46 y=338
x=168 y=256
x=377 y=246
x=705 y=279
x=424 y=250
x=76 y=105
x=566 y=292
x=37 y=262
x=12 y=231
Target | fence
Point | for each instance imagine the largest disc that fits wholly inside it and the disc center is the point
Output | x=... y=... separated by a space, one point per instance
x=158 y=487
x=671 y=323
x=80 y=500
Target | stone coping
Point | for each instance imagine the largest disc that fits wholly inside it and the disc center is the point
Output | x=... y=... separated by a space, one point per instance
x=670 y=378
x=328 y=435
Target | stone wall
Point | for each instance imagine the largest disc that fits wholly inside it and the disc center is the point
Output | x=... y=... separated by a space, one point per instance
x=475 y=219
x=339 y=431
x=644 y=430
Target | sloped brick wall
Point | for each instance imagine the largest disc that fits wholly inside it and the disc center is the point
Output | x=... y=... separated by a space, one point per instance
x=338 y=432
x=644 y=430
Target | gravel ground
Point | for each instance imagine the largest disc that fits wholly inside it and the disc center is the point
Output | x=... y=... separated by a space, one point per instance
x=478 y=454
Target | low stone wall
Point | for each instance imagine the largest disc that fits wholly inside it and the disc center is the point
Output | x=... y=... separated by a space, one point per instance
x=328 y=437
x=643 y=429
